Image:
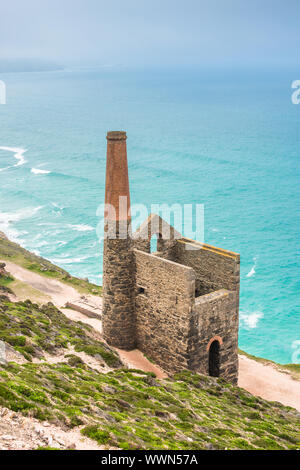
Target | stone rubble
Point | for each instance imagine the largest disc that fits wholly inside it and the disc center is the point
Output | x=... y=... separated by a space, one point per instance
x=18 y=432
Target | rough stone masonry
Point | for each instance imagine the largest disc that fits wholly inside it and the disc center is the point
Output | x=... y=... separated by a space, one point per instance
x=180 y=305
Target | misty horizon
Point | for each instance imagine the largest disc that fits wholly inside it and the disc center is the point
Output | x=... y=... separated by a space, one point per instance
x=190 y=33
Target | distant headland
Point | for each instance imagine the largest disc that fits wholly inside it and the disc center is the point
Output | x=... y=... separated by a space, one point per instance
x=28 y=65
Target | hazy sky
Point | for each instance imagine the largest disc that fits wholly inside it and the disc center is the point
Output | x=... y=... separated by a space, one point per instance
x=154 y=32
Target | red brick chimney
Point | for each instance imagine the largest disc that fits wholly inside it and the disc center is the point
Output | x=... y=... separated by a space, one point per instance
x=117 y=181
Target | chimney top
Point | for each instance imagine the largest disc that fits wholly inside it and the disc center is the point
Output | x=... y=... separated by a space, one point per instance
x=117 y=181
x=116 y=135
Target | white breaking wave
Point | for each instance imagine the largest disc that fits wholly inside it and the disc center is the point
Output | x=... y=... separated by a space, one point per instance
x=61 y=243
x=7 y=219
x=60 y=261
x=251 y=320
x=253 y=269
x=81 y=228
x=57 y=206
x=252 y=272
x=36 y=171
x=18 y=154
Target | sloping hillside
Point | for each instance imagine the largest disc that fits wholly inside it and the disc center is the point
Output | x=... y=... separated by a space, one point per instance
x=126 y=408
x=61 y=373
x=11 y=251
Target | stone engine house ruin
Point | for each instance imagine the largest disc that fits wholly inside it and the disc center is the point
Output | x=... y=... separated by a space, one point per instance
x=180 y=305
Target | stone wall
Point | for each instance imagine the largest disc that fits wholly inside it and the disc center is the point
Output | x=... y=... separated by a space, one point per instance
x=214 y=268
x=176 y=329
x=174 y=304
x=216 y=313
x=85 y=311
x=118 y=316
x=215 y=318
x=167 y=237
x=163 y=304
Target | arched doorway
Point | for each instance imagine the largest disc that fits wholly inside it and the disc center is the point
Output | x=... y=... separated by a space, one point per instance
x=214 y=359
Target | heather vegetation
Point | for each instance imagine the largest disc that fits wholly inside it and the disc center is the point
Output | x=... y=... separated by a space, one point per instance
x=132 y=410
x=123 y=408
x=34 y=331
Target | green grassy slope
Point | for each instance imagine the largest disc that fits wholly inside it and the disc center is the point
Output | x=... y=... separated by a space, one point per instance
x=34 y=330
x=13 y=252
x=125 y=408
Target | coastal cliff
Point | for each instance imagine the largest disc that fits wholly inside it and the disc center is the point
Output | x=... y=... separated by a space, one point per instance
x=70 y=390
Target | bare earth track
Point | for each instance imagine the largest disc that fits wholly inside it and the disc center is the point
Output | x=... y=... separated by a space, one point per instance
x=18 y=432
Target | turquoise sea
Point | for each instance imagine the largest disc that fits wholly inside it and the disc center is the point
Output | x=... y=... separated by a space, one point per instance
x=228 y=139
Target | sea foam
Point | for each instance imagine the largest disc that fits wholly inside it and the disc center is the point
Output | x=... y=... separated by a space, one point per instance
x=250 y=320
x=18 y=154
x=61 y=261
x=252 y=272
x=81 y=228
x=37 y=171
x=7 y=219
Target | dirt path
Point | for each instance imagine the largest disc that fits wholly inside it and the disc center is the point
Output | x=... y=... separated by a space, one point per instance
x=133 y=359
x=259 y=379
x=77 y=316
x=136 y=360
x=267 y=382
x=18 y=432
x=58 y=292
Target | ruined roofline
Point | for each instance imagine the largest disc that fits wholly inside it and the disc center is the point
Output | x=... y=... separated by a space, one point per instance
x=159 y=225
x=213 y=249
x=167 y=261
x=212 y=296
